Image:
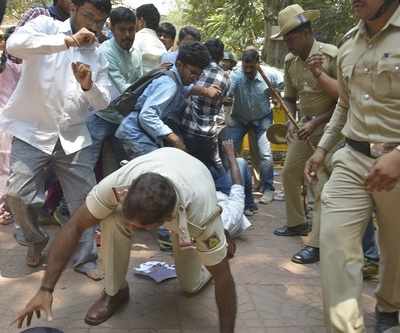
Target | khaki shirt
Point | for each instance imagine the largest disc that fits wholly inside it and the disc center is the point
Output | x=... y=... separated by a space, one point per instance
x=369 y=85
x=197 y=212
x=301 y=84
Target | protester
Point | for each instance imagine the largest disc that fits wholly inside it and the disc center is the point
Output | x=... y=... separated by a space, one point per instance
x=145 y=129
x=167 y=34
x=199 y=122
x=124 y=68
x=9 y=76
x=53 y=134
x=187 y=34
x=146 y=40
x=366 y=172
x=251 y=110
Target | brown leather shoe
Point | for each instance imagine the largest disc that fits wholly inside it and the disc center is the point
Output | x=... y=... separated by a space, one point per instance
x=106 y=306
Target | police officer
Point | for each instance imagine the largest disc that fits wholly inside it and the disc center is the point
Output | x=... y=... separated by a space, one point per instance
x=365 y=172
x=310 y=79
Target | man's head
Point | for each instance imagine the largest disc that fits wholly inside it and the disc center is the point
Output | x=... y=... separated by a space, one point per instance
x=299 y=39
x=123 y=26
x=188 y=34
x=64 y=5
x=250 y=62
x=192 y=59
x=89 y=14
x=148 y=16
x=216 y=49
x=150 y=201
x=229 y=61
x=370 y=10
x=167 y=33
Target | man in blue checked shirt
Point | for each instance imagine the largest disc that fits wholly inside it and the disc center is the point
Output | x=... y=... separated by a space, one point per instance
x=146 y=128
x=252 y=111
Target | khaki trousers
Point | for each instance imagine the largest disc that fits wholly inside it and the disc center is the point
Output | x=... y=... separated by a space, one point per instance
x=293 y=180
x=116 y=247
x=346 y=211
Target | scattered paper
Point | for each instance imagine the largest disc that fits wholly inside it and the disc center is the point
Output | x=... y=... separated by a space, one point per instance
x=157 y=270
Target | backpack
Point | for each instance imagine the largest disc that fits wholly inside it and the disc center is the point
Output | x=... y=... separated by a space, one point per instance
x=126 y=103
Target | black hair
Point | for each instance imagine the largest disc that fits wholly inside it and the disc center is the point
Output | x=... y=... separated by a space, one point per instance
x=216 y=49
x=102 y=5
x=150 y=15
x=4 y=57
x=195 y=54
x=122 y=14
x=192 y=31
x=303 y=27
x=151 y=199
x=168 y=29
x=251 y=55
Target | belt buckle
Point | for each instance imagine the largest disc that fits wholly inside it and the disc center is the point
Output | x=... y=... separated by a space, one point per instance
x=379 y=149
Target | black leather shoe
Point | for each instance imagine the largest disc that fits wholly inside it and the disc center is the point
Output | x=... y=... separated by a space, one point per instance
x=385 y=320
x=106 y=306
x=298 y=230
x=307 y=255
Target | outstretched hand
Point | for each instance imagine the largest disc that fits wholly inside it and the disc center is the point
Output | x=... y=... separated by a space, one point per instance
x=42 y=301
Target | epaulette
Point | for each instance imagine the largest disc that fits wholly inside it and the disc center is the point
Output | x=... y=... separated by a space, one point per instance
x=348 y=35
x=329 y=49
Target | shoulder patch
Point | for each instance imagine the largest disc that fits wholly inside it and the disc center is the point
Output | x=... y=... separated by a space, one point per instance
x=329 y=49
x=348 y=35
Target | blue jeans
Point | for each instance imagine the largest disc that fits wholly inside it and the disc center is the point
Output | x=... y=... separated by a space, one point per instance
x=369 y=243
x=100 y=130
x=237 y=133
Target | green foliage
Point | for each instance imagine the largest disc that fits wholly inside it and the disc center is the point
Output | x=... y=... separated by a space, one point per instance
x=15 y=8
x=240 y=23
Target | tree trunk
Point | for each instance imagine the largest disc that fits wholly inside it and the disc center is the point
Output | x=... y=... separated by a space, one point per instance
x=273 y=51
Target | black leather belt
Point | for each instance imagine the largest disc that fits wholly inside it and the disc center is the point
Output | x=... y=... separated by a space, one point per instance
x=360 y=146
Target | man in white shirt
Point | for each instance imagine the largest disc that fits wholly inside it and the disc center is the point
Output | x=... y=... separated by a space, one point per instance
x=63 y=75
x=146 y=40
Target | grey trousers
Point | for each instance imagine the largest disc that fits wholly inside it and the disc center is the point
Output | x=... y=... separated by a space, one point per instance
x=29 y=167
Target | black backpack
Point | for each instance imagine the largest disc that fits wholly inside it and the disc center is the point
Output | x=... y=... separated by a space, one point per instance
x=126 y=103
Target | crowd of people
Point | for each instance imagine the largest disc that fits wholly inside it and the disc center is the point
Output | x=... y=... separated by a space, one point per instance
x=72 y=153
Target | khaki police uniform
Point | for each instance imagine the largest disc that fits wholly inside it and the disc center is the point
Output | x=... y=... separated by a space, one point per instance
x=197 y=230
x=368 y=111
x=300 y=84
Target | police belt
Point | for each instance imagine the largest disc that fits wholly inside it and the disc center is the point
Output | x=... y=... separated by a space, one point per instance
x=360 y=146
x=371 y=150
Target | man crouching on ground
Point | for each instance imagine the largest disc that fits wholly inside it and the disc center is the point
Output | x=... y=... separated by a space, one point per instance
x=168 y=187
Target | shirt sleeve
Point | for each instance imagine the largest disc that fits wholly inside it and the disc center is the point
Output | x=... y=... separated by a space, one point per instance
x=290 y=90
x=101 y=200
x=160 y=93
x=99 y=95
x=211 y=245
x=234 y=81
x=332 y=134
x=36 y=37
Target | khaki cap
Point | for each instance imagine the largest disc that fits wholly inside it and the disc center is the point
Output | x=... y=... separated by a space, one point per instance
x=292 y=17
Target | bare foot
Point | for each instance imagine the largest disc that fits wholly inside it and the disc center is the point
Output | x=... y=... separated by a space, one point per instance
x=95 y=275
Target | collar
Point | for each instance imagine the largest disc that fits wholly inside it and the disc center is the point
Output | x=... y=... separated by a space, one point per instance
x=394 y=21
x=175 y=70
x=148 y=31
x=315 y=49
x=57 y=13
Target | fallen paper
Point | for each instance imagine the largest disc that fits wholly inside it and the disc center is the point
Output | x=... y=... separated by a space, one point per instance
x=157 y=270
